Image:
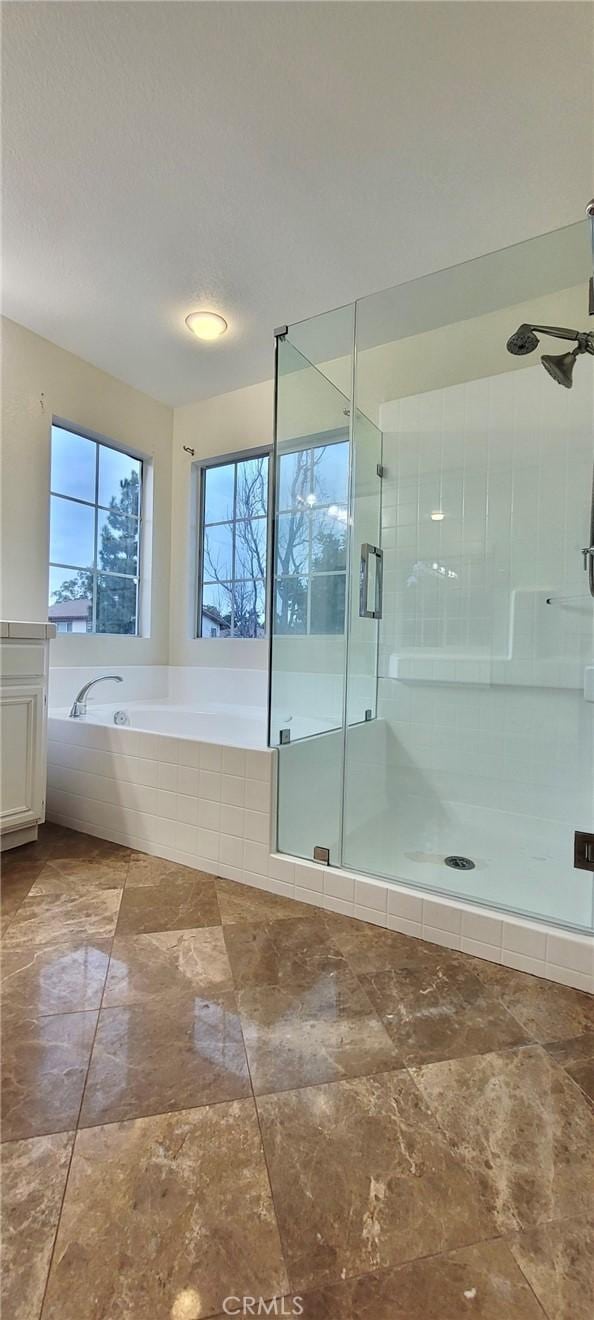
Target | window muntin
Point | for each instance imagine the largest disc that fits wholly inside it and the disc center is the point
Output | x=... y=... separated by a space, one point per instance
x=233 y=550
x=95 y=532
x=311 y=539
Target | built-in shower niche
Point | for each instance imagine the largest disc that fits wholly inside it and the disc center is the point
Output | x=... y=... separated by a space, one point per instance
x=458 y=695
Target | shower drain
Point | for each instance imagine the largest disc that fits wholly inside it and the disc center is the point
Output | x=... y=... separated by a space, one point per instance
x=460 y=863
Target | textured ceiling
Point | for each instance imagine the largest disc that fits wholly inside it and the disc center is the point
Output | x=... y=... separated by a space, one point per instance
x=271 y=161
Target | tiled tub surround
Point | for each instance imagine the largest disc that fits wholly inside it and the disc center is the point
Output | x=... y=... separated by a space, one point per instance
x=201 y=803
x=211 y=1092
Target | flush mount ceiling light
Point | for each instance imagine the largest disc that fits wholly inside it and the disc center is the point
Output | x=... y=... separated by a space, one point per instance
x=206 y=325
x=437 y=515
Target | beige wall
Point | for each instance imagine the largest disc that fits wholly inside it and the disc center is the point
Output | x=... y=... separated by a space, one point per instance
x=40 y=381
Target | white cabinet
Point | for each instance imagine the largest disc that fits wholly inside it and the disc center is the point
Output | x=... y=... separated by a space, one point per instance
x=21 y=754
x=23 y=729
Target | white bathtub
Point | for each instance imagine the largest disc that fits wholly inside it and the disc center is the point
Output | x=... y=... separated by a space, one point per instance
x=234 y=726
x=191 y=783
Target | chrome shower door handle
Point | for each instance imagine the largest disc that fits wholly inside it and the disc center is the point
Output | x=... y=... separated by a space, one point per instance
x=588 y=553
x=588 y=550
x=368 y=552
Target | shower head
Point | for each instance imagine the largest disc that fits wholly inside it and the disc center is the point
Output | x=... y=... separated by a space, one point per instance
x=560 y=366
x=523 y=341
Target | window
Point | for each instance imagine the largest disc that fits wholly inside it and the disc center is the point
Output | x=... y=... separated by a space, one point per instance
x=234 y=530
x=311 y=538
x=95 y=521
x=311 y=542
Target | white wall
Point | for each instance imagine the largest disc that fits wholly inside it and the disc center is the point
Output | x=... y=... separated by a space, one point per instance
x=41 y=381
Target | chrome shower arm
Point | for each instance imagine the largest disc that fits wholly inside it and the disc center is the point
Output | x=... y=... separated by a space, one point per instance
x=562 y=332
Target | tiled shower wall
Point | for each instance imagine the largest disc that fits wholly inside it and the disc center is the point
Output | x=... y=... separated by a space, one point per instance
x=482 y=682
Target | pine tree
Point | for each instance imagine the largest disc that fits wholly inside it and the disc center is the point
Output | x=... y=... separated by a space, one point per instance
x=117 y=553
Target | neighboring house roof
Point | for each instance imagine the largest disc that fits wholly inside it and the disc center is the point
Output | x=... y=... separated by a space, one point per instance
x=70 y=609
x=210 y=613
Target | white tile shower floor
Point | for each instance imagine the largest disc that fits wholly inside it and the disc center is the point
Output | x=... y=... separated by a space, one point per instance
x=522 y=863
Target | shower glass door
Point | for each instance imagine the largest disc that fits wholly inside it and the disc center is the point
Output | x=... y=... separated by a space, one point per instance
x=478 y=768
x=432 y=652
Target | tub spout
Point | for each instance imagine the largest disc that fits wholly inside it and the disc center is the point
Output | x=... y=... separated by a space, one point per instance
x=78 y=708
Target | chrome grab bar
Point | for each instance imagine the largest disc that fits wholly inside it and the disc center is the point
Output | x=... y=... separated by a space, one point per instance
x=367 y=551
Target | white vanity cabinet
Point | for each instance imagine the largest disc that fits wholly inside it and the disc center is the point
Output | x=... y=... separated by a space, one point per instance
x=24 y=666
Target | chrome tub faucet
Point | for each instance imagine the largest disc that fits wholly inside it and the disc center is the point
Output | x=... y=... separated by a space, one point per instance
x=78 y=708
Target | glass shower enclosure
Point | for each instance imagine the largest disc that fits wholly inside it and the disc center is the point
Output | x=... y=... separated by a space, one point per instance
x=432 y=632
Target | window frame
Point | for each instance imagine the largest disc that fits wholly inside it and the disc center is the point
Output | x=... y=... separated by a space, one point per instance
x=316 y=440
x=205 y=465
x=137 y=456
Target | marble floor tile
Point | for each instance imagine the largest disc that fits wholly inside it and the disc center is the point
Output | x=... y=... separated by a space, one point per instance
x=547 y=1010
x=362 y=1179
x=390 y=1186
x=80 y=875
x=58 y=918
x=370 y=949
x=296 y=1037
x=37 y=852
x=33 y=1180
x=54 y=978
x=294 y=952
x=557 y=1260
x=164 y=1218
x=482 y=1282
x=175 y=905
x=172 y=962
x=440 y=1011
x=44 y=1065
x=61 y=843
x=521 y=1128
x=159 y=1056
x=147 y=870
x=15 y=884
x=576 y=1056
x=239 y=903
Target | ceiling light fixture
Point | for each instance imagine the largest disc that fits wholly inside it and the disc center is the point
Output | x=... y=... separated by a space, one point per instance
x=206 y=325
x=437 y=516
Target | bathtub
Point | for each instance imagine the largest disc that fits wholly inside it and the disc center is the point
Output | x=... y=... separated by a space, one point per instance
x=242 y=726
x=191 y=783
